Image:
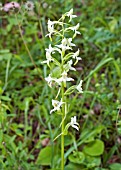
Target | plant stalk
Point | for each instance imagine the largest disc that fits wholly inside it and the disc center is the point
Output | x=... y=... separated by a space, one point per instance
x=26 y=47
x=62 y=129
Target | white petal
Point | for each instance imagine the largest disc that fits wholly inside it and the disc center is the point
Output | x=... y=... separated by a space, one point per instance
x=79 y=87
x=76 y=127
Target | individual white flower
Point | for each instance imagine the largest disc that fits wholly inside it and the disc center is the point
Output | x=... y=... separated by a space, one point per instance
x=70 y=14
x=69 y=66
x=64 y=77
x=50 y=49
x=57 y=105
x=79 y=87
x=49 y=58
x=75 y=56
x=74 y=28
x=74 y=124
x=49 y=80
x=66 y=45
x=29 y=5
x=51 y=29
x=48 y=55
x=69 y=42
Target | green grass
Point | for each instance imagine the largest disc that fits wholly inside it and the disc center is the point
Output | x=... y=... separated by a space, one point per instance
x=25 y=98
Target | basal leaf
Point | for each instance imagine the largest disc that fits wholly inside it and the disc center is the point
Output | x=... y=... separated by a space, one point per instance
x=115 y=166
x=77 y=157
x=94 y=148
x=45 y=156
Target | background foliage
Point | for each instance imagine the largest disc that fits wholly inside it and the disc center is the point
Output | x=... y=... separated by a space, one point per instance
x=26 y=128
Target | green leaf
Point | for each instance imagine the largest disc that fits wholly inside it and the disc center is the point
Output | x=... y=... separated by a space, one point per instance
x=91 y=133
x=72 y=166
x=94 y=148
x=77 y=157
x=56 y=72
x=68 y=140
x=115 y=166
x=101 y=64
x=1 y=137
x=4 y=51
x=55 y=169
x=5 y=98
x=45 y=156
x=85 y=136
x=100 y=169
x=5 y=56
x=112 y=25
x=1 y=165
x=91 y=161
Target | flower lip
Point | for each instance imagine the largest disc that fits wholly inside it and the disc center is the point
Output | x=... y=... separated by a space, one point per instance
x=74 y=124
x=79 y=87
x=66 y=44
x=49 y=80
x=57 y=105
x=64 y=78
x=69 y=65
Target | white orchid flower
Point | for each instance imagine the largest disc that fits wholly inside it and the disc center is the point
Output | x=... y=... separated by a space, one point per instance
x=74 y=28
x=49 y=58
x=57 y=105
x=79 y=87
x=70 y=14
x=50 y=26
x=50 y=49
x=74 y=124
x=75 y=56
x=48 y=55
x=51 y=29
x=69 y=65
x=69 y=42
x=64 y=78
x=66 y=45
x=63 y=46
x=49 y=80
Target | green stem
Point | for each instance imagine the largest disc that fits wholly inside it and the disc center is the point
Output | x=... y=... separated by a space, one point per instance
x=62 y=129
x=26 y=47
x=40 y=23
x=7 y=74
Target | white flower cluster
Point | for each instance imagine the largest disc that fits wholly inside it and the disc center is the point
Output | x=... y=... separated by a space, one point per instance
x=67 y=59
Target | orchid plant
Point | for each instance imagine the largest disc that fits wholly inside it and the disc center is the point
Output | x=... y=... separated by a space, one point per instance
x=61 y=57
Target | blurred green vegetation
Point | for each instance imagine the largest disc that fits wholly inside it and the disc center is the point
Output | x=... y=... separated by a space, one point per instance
x=27 y=129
